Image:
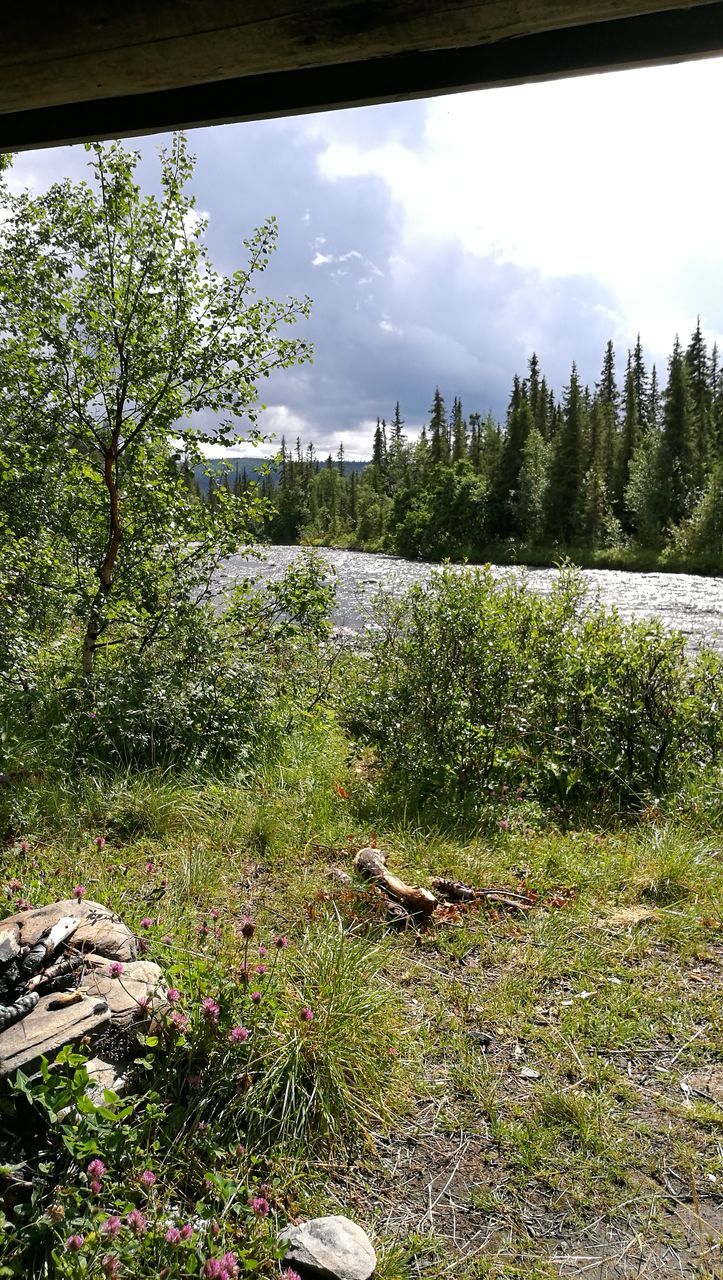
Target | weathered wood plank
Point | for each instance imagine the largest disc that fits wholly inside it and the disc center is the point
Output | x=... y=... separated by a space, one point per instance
x=80 y=52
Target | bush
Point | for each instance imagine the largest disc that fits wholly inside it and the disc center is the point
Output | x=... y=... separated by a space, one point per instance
x=211 y=688
x=473 y=684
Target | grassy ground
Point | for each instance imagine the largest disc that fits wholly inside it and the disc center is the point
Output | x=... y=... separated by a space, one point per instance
x=558 y=1105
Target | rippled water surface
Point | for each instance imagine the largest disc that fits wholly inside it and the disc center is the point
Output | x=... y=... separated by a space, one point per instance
x=685 y=602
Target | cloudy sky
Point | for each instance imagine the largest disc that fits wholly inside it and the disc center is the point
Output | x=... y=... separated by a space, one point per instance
x=443 y=241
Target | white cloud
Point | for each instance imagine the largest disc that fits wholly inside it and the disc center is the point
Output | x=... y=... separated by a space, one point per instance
x=614 y=176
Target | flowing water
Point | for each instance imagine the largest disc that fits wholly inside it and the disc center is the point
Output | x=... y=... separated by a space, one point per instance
x=685 y=602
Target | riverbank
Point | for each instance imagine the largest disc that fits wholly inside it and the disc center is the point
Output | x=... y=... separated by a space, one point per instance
x=628 y=559
x=553 y=1077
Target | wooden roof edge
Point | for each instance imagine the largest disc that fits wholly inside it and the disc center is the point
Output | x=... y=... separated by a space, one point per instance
x=652 y=39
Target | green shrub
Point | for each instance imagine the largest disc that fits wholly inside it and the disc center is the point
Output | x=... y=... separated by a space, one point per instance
x=211 y=688
x=474 y=685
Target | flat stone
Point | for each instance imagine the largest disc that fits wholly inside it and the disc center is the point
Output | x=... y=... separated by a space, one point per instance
x=99 y=930
x=140 y=980
x=104 y=1075
x=50 y=1025
x=331 y=1248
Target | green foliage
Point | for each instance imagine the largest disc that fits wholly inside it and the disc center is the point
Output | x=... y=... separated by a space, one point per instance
x=117 y=333
x=596 y=473
x=556 y=695
x=217 y=691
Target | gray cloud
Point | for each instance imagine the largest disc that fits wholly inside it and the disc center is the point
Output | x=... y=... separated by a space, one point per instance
x=383 y=328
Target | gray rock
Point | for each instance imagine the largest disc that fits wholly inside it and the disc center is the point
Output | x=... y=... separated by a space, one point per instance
x=99 y=928
x=51 y=1024
x=332 y=1248
x=104 y=1075
x=140 y=981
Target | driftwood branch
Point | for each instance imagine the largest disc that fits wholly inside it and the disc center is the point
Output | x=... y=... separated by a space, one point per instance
x=371 y=863
x=458 y=891
x=404 y=900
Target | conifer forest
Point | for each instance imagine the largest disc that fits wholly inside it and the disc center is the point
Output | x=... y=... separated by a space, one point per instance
x=631 y=464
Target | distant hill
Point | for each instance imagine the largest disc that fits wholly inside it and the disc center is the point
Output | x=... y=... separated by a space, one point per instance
x=253 y=466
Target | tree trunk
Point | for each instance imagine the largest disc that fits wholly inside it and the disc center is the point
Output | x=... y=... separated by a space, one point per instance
x=96 y=619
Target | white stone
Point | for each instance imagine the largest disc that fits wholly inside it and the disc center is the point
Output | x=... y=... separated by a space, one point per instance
x=331 y=1248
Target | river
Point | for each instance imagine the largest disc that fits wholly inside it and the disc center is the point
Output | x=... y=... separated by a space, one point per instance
x=685 y=602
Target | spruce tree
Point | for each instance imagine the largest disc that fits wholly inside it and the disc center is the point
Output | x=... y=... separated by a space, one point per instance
x=519 y=425
x=702 y=402
x=630 y=437
x=679 y=467
x=562 y=500
x=438 y=430
x=641 y=383
x=459 y=432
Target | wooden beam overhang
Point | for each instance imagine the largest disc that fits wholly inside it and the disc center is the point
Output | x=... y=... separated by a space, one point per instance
x=152 y=67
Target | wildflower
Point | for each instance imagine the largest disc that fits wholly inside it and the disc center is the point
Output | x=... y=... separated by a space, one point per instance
x=212 y=1269
x=143 y=1007
x=210 y=1010
x=111 y=1226
x=96 y=1169
x=240 y=1150
x=229 y=1264
x=173 y=995
x=24 y=846
x=146 y=923
x=262 y=969
x=56 y=1213
x=150 y=867
x=288 y=1273
x=307 y=1015
x=260 y=1205
x=186 y=1231
x=109 y=1264
x=202 y=929
x=96 y=1187
x=237 y=1035
x=172 y=1236
x=263 y=951
x=115 y=969
x=244 y=974
x=214 y=913
x=99 y=842
x=167 y=939
x=14 y=884
x=142 y=946
x=503 y=824
x=179 y=1021
x=23 y=904
x=137 y=1222
x=79 y=892
x=256 y=997
x=74 y=1244
x=248 y=927
x=282 y=941
x=148 y=1177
